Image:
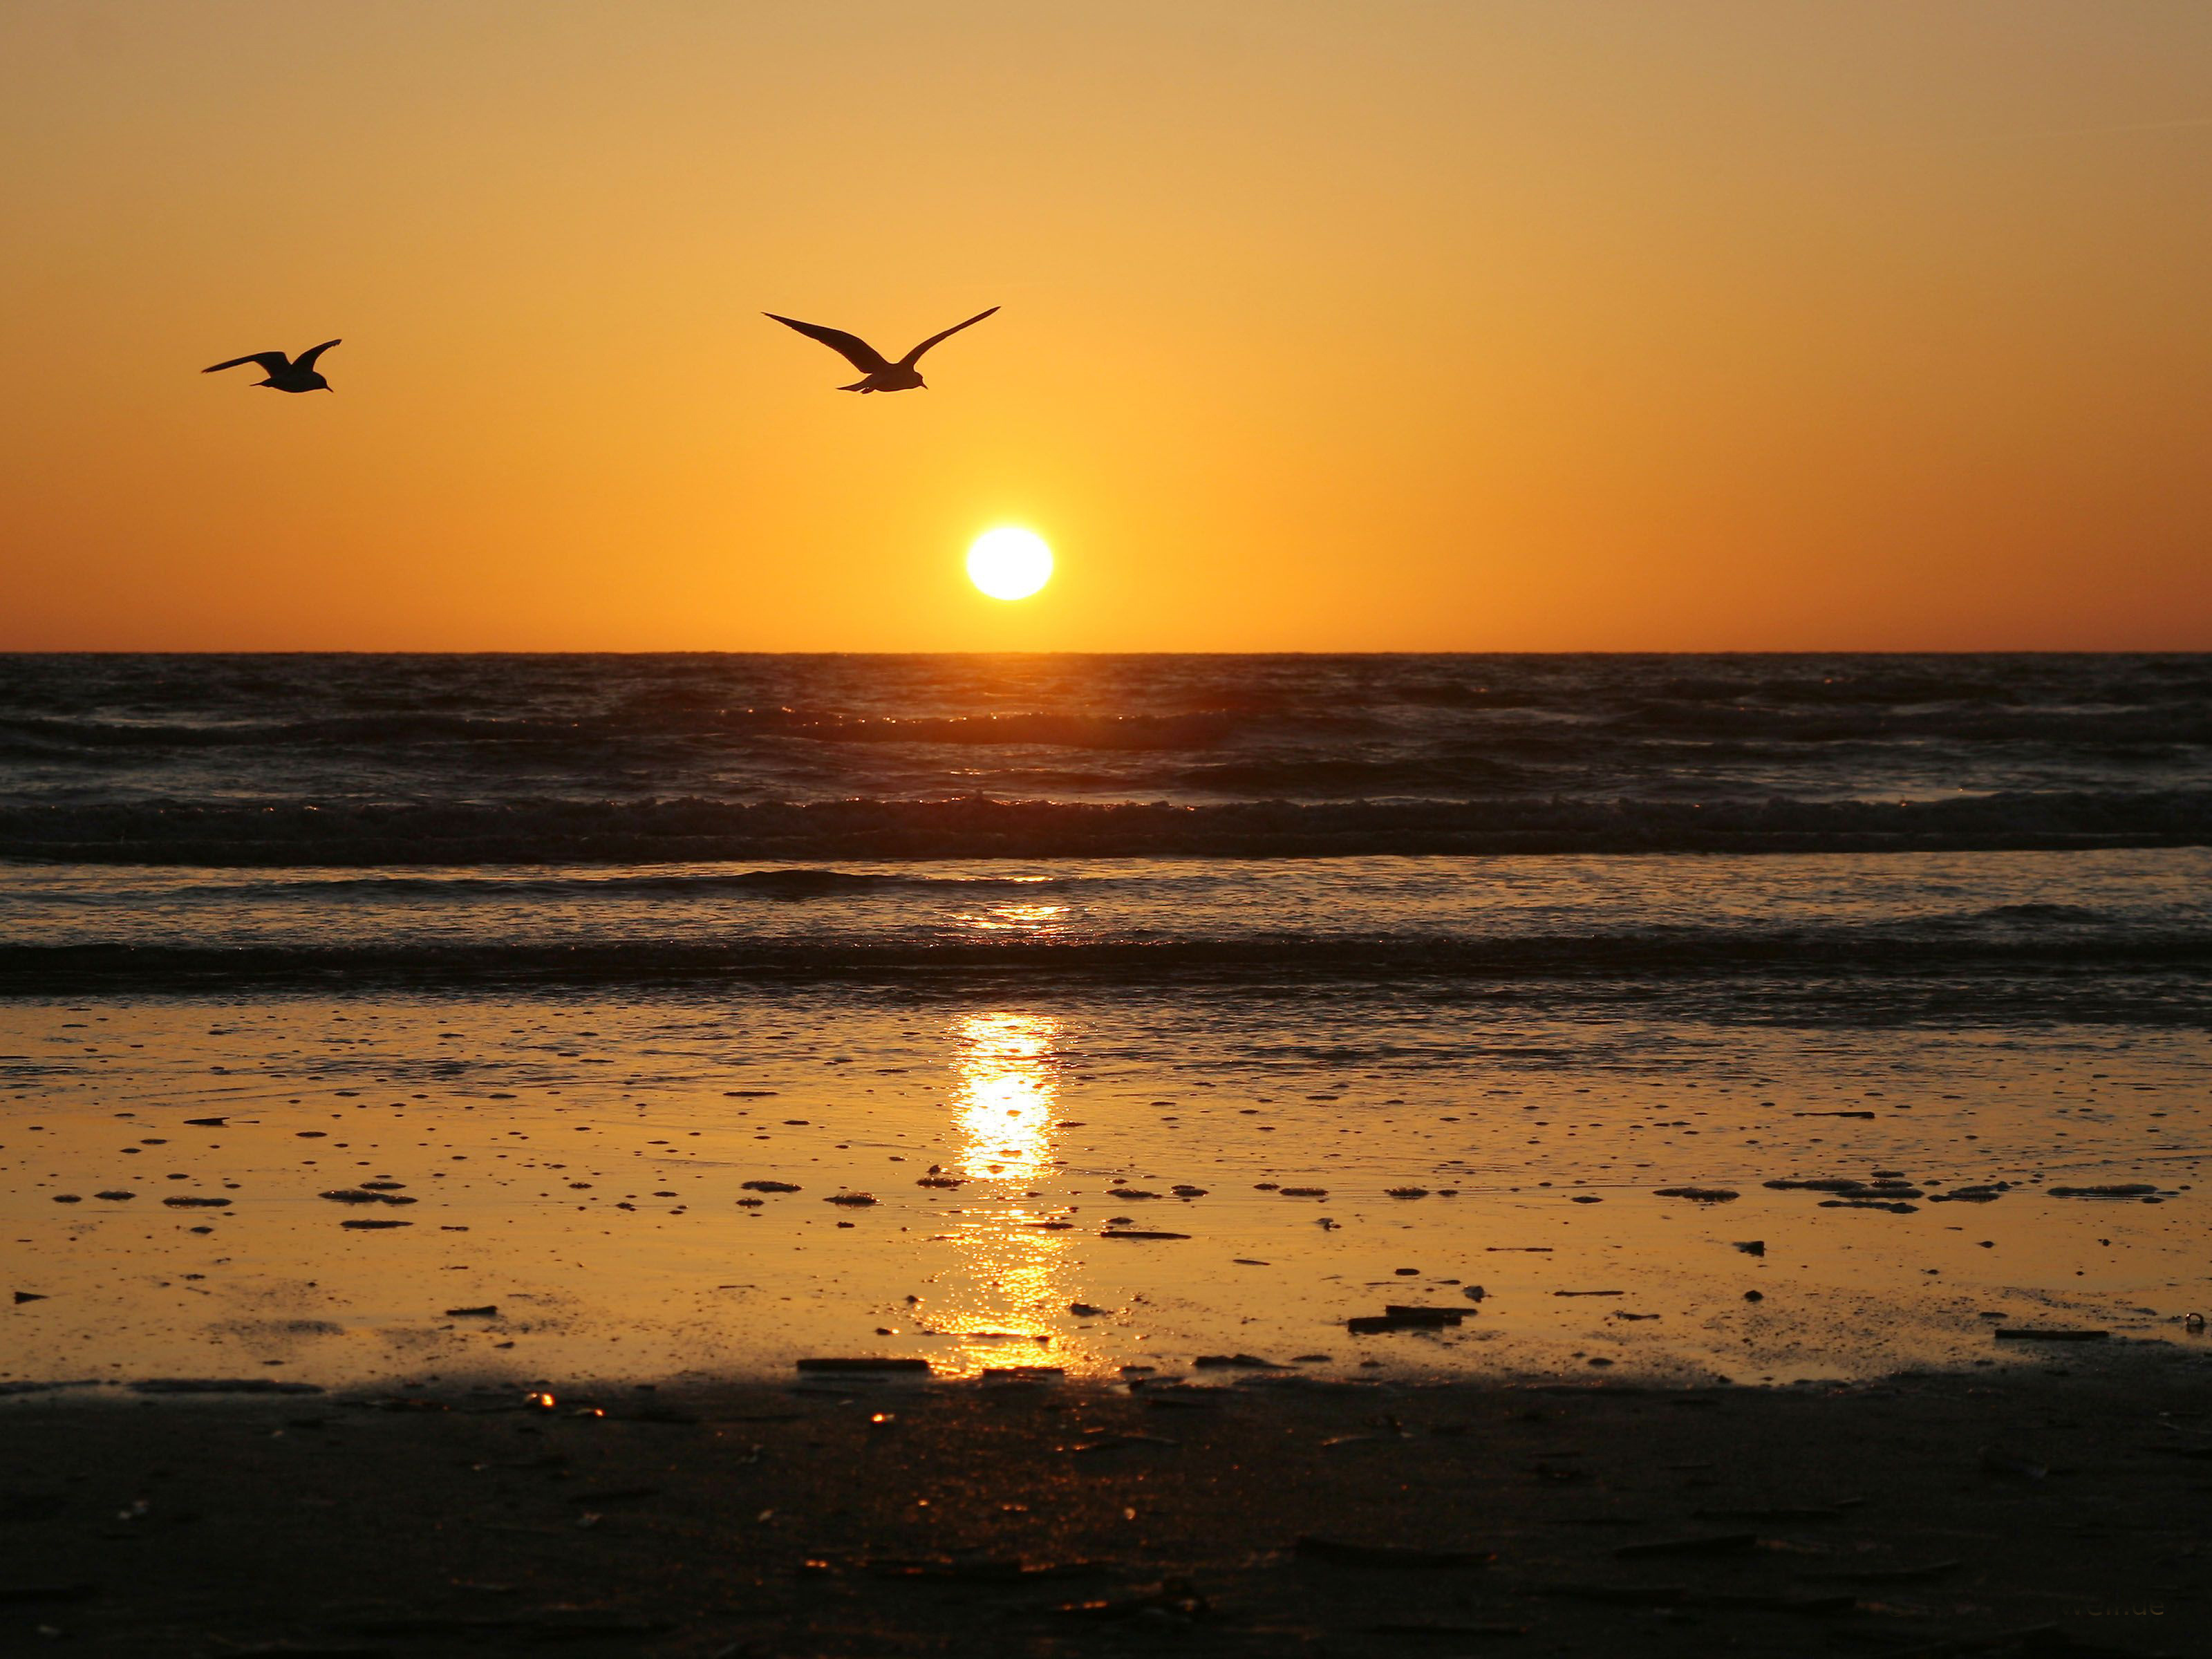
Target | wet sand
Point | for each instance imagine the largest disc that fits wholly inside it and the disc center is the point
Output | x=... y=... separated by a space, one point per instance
x=648 y=1189
x=2058 y=1509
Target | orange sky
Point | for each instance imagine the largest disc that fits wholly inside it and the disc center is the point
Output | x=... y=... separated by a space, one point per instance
x=1396 y=325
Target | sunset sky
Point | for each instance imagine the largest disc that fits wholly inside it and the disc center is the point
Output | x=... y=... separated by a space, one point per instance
x=1539 y=324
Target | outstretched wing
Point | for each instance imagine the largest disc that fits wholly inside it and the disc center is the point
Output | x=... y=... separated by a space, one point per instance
x=851 y=346
x=307 y=359
x=273 y=362
x=914 y=356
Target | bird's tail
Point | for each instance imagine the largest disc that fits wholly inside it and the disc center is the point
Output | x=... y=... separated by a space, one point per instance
x=857 y=385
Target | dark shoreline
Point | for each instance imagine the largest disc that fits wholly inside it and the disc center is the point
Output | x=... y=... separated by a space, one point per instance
x=2061 y=1509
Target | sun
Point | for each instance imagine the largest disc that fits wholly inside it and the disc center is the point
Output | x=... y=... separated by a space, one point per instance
x=1009 y=563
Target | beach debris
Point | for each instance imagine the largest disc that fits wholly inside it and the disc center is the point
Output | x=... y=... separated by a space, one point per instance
x=218 y=1385
x=1343 y=1552
x=1243 y=1362
x=1755 y=1296
x=1589 y=1292
x=488 y=1311
x=1304 y=1192
x=1404 y=1319
x=1751 y=1246
x=2128 y=1189
x=1894 y=1206
x=1002 y=1375
x=208 y=1122
x=357 y=1223
x=1725 y=1543
x=21 y=1297
x=1698 y=1195
x=69 y=1198
x=1188 y=1192
x=1407 y=1192
x=355 y=1196
x=1085 y=1310
x=938 y=1181
x=767 y=1185
x=2023 y=1333
x=851 y=1200
x=1823 y=1184
x=1868 y=1115
x=194 y=1201
x=1472 y=1292
x=1134 y=1232
x=1128 y=1192
x=116 y=1196
x=1968 y=1195
x=905 y=1367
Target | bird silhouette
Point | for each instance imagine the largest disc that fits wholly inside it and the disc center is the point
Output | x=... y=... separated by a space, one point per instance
x=882 y=374
x=285 y=373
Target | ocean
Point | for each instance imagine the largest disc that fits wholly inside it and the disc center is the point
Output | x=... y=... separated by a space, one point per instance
x=1327 y=961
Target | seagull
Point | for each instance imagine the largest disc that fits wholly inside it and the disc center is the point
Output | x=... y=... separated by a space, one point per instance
x=882 y=374
x=285 y=373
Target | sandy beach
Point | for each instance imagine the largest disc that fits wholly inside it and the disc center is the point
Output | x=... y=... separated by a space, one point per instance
x=672 y=1184
x=2056 y=1511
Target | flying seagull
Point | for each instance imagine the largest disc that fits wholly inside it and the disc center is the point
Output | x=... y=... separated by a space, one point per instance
x=285 y=373
x=883 y=375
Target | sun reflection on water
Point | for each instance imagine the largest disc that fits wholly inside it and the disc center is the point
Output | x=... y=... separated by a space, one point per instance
x=1035 y=920
x=1010 y=1283
x=1004 y=1105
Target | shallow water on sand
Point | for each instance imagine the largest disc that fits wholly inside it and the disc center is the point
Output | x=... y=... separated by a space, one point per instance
x=578 y=1163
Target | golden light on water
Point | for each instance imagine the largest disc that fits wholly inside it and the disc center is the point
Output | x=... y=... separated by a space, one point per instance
x=1004 y=1106
x=1010 y=1284
x=1009 y=563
